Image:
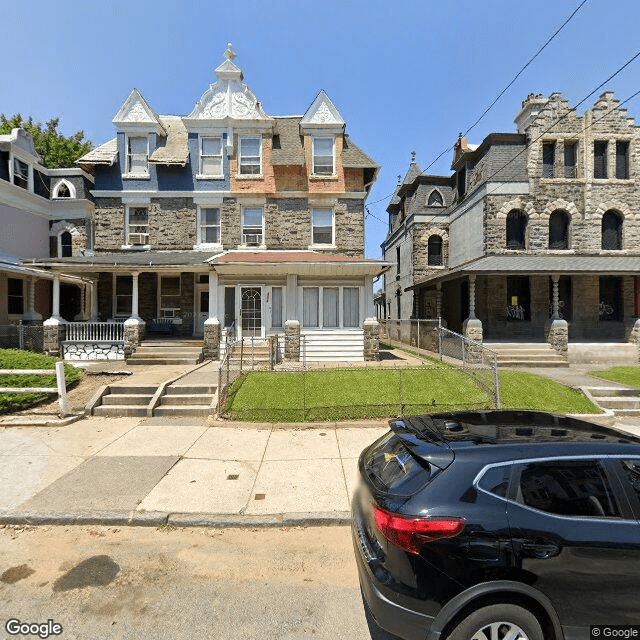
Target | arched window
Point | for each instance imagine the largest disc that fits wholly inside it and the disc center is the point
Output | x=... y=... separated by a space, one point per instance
x=64 y=189
x=611 y=231
x=435 y=199
x=559 y=230
x=66 y=245
x=434 y=248
x=516 y=229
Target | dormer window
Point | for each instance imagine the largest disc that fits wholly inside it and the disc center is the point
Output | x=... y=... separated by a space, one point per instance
x=435 y=199
x=323 y=156
x=211 y=156
x=250 y=157
x=138 y=155
x=20 y=173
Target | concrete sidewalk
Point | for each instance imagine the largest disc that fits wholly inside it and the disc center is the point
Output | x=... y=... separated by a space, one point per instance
x=143 y=471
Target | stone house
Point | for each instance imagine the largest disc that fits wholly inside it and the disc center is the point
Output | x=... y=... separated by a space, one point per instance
x=43 y=212
x=231 y=222
x=533 y=237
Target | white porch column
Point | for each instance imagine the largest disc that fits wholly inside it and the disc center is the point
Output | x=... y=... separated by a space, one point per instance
x=213 y=297
x=292 y=322
x=94 y=301
x=292 y=297
x=472 y=327
x=212 y=329
x=369 y=309
x=55 y=318
x=134 y=297
x=31 y=314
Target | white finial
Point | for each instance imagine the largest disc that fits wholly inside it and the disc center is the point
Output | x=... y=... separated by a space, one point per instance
x=413 y=156
x=229 y=54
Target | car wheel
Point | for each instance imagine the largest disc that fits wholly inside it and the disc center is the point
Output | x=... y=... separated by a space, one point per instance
x=498 y=622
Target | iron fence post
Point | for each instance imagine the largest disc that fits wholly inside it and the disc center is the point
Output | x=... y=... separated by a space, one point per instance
x=496 y=380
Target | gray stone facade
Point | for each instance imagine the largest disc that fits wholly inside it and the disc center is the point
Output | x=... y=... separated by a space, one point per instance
x=292 y=340
x=371 y=337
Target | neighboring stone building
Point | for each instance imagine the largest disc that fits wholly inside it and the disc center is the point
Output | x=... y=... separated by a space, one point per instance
x=43 y=212
x=533 y=237
x=230 y=221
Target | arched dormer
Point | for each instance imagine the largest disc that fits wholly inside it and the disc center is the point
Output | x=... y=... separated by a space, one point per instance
x=64 y=189
x=61 y=235
x=435 y=199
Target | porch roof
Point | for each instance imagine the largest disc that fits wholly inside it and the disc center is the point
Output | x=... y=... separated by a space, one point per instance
x=539 y=264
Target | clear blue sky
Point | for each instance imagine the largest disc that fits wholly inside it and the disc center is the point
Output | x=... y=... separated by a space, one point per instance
x=404 y=74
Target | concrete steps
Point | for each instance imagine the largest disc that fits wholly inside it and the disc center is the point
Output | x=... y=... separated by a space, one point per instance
x=623 y=402
x=187 y=400
x=526 y=354
x=256 y=353
x=333 y=346
x=152 y=352
x=125 y=401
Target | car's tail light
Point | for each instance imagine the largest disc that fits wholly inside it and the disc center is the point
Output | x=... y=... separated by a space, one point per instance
x=411 y=532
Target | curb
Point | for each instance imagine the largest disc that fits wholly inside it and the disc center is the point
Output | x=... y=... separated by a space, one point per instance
x=61 y=422
x=159 y=518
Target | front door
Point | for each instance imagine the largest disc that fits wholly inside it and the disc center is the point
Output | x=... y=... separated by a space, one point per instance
x=251 y=311
x=202 y=309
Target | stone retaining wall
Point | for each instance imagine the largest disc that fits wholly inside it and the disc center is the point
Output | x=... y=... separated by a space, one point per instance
x=93 y=350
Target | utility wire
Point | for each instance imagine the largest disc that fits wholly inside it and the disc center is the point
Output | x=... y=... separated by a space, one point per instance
x=538 y=52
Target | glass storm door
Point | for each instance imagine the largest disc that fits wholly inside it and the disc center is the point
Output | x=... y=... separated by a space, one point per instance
x=251 y=311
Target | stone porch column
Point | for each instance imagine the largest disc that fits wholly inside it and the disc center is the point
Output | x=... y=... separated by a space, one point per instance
x=31 y=316
x=94 y=301
x=81 y=316
x=370 y=326
x=292 y=323
x=134 y=326
x=472 y=327
x=54 y=327
x=557 y=330
x=439 y=300
x=212 y=333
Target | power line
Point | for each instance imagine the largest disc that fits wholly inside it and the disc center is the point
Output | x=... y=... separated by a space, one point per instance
x=538 y=52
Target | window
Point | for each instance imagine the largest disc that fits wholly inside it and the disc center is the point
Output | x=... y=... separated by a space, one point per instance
x=434 y=251
x=548 y=159
x=435 y=199
x=461 y=182
x=559 y=230
x=137 y=156
x=610 y=307
x=570 y=159
x=229 y=306
x=252 y=226
x=62 y=191
x=599 y=159
x=516 y=229
x=322 y=226
x=310 y=303
x=66 y=245
x=323 y=161
x=567 y=488
x=496 y=480
x=211 y=156
x=138 y=226
x=397 y=263
x=15 y=302
x=170 y=296
x=518 y=298
x=276 y=306
x=209 y=225
x=250 y=163
x=351 y=306
x=20 y=173
x=611 y=231
x=631 y=472
x=330 y=306
x=123 y=295
x=622 y=160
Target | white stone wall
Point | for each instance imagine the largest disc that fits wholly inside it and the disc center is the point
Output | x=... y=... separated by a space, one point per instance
x=93 y=350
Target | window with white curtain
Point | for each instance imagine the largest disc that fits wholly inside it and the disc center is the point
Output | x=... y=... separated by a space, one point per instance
x=276 y=306
x=310 y=304
x=351 y=307
x=138 y=155
x=330 y=307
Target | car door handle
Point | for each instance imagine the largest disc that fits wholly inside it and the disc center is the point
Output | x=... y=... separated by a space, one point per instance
x=540 y=551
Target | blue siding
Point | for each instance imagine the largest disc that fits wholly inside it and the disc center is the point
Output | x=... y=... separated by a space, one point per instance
x=207 y=185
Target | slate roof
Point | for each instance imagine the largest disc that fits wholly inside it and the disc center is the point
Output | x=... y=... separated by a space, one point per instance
x=355 y=158
x=290 y=150
x=105 y=154
x=176 y=149
x=542 y=264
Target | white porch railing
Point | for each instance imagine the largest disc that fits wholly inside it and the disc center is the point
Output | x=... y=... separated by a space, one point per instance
x=95 y=331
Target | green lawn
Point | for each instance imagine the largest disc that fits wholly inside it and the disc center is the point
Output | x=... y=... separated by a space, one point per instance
x=20 y=359
x=337 y=394
x=623 y=375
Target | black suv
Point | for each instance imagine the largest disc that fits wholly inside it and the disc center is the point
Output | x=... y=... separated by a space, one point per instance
x=496 y=525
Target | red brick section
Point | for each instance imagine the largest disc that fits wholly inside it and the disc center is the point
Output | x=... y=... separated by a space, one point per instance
x=283 y=256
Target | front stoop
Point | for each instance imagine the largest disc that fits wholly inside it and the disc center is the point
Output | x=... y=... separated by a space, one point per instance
x=623 y=402
x=125 y=401
x=526 y=354
x=187 y=400
x=168 y=352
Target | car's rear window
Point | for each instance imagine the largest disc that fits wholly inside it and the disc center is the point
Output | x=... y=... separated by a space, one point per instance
x=391 y=467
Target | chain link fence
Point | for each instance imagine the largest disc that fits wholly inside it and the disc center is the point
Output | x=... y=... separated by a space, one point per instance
x=22 y=336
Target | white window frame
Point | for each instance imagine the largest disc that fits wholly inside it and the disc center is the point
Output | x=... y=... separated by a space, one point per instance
x=127 y=225
x=283 y=290
x=240 y=174
x=201 y=235
x=332 y=243
x=17 y=174
x=115 y=295
x=128 y=173
x=203 y=174
x=333 y=157
x=70 y=187
x=341 y=288
x=242 y=225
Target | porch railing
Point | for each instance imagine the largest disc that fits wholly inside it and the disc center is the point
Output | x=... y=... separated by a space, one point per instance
x=94 y=331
